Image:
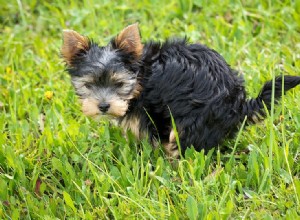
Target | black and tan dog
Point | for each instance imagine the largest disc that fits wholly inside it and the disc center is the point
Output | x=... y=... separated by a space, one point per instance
x=142 y=86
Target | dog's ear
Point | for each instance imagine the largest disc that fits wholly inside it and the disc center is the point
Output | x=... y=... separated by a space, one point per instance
x=129 y=40
x=73 y=43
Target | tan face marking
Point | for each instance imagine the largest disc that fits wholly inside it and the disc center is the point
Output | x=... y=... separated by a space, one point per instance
x=90 y=107
x=117 y=108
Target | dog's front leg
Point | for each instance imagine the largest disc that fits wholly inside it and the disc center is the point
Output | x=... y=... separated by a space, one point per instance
x=171 y=148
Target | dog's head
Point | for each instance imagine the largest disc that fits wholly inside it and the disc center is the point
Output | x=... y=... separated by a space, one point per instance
x=104 y=78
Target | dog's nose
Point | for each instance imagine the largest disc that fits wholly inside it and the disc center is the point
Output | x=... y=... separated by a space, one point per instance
x=104 y=107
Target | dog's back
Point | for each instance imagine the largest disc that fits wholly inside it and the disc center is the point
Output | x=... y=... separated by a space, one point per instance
x=197 y=87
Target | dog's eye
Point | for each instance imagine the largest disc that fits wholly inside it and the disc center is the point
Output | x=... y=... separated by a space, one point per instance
x=88 y=85
x=119 y=84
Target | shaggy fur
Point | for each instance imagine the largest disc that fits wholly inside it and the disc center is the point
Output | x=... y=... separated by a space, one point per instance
x=143 y=85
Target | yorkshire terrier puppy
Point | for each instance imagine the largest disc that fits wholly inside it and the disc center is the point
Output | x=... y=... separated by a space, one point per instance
x=142 y=86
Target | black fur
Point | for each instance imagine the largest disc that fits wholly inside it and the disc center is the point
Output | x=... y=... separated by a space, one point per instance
x=204 y=95
x=189 y=82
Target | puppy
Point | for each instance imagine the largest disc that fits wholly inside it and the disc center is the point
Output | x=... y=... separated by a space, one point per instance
x=144 y=86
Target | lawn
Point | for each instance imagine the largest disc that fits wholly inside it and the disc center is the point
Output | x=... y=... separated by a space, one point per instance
x=56 y=163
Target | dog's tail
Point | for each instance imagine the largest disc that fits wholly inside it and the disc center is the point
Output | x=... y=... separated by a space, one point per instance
x=254 y=108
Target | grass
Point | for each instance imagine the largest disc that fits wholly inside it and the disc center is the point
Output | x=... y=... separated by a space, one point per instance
x=57 y=164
